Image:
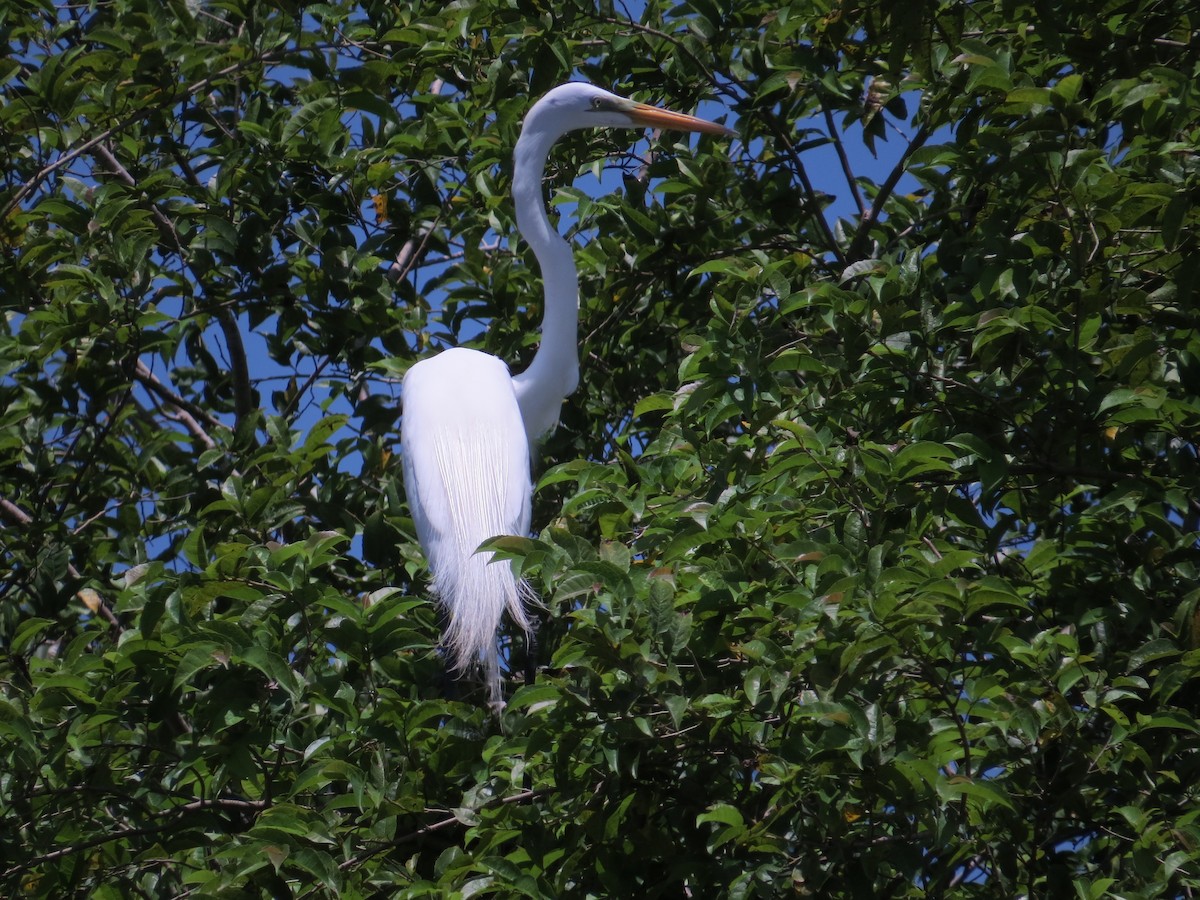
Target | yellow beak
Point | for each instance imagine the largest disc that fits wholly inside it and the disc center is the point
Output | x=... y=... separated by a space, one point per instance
x=654 y=117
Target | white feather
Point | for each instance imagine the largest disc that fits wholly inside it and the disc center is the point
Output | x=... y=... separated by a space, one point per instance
x=467 y=479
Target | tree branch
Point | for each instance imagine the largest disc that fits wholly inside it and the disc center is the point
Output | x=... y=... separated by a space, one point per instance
x=858 y=244
x=844 y=159
x=71 y=155
x=174 y=813
x=181 y=409
x=432 y=827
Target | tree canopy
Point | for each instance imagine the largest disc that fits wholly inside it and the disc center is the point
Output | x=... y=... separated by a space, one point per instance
x=868 y=544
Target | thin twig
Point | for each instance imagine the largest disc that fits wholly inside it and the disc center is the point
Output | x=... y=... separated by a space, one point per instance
x=183 y=411
x=432 y=827
x=166 y=227
x=844 y=159
x=123 y=833
x=858 y=245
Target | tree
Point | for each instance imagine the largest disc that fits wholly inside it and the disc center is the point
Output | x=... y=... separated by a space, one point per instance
x=868 y=545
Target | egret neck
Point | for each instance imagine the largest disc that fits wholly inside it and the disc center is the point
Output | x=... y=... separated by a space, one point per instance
x=554 y=373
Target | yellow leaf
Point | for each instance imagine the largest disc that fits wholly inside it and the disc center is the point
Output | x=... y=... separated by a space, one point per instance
x=90 y=599
x=379 y=201
x=276 y=855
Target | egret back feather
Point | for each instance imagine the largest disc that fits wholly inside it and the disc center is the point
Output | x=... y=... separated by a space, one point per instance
x=468 y=481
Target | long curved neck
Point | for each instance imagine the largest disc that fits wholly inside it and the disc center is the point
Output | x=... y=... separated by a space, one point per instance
x=554 y=372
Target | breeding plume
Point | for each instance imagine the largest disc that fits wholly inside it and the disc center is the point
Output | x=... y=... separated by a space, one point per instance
x=469 y=426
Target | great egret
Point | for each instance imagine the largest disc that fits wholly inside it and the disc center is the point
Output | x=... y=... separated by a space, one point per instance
x=469 y=426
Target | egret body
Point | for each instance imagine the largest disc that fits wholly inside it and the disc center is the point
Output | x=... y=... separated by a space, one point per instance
x=469 y=426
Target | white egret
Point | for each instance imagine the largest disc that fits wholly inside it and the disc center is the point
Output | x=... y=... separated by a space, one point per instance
x=469 y=426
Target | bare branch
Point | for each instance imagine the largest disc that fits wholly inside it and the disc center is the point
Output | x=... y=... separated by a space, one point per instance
x=844 y=159
x=182 y=411
x=858 y=245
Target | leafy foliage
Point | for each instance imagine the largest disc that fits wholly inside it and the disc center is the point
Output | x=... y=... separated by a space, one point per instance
x=870 y=540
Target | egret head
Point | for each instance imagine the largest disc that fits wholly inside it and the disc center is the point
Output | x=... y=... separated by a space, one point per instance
x=578 y=105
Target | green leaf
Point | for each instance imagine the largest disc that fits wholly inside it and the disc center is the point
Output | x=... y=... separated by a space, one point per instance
x=306 y=117
x=534 y=698
x=723 y=814
x=29 y=632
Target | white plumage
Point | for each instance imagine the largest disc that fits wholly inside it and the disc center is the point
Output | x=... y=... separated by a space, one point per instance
x=466 y=472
